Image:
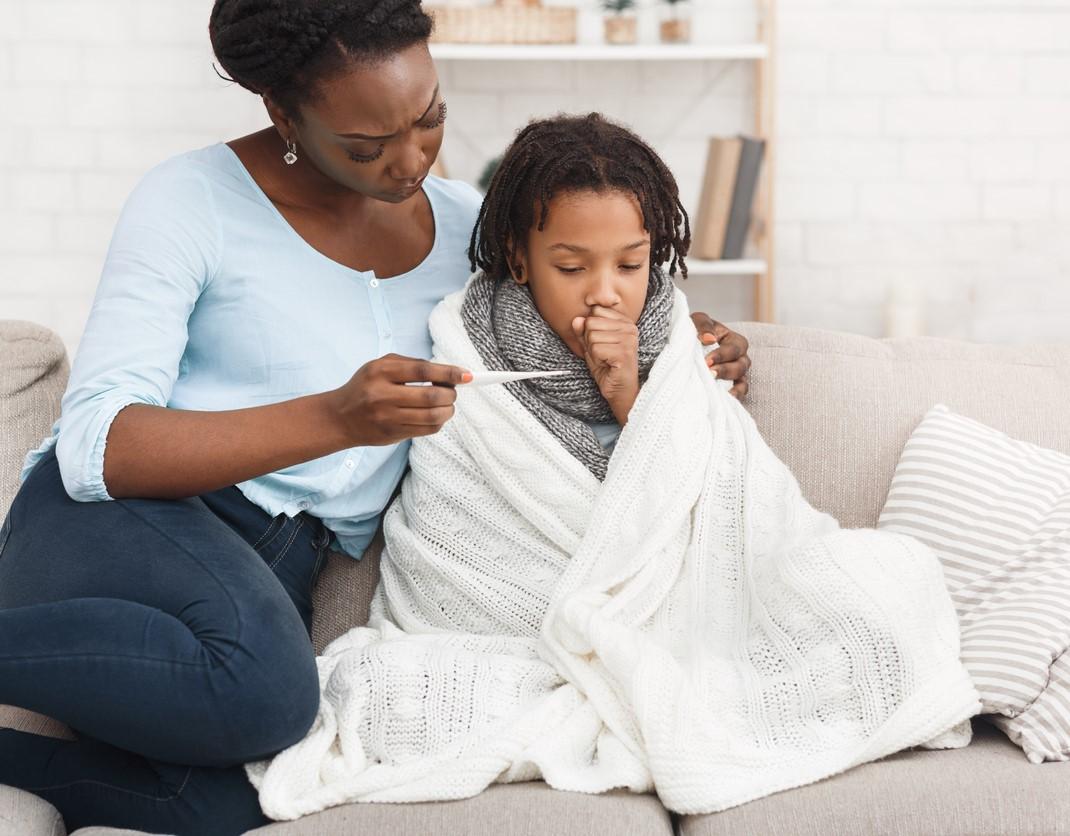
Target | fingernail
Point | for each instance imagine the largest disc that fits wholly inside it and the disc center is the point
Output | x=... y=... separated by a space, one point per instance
x=714 y=370
x=466 y=377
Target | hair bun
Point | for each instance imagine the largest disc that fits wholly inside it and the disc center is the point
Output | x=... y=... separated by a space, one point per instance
x=262 y=43
x=282 y=47
x=385 y=9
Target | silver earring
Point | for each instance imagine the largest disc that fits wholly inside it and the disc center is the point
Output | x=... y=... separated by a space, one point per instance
x=290 y=157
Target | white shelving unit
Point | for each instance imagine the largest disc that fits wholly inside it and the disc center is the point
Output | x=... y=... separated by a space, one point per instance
x=599 y=52
x=727 y=267
x=760 y=52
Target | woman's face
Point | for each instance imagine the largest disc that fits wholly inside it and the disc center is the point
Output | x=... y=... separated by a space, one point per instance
x=375 y=129
x=592 y=251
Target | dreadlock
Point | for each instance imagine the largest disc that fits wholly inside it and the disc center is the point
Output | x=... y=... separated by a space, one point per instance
x=282 y=48
x=576 y=153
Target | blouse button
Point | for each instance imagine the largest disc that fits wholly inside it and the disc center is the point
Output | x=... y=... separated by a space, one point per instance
x=373 y=283
x=349 y=463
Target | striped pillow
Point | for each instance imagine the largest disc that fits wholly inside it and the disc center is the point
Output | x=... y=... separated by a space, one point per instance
x=997 y=513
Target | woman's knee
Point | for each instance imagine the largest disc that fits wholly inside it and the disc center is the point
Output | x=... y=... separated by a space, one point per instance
x=270 y=705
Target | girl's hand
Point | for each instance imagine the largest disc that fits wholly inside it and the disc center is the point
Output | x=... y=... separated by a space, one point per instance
x=376 y=406
x=611 y=349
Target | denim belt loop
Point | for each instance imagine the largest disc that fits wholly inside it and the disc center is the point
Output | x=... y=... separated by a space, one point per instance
x=5 y=531
x=323 y=538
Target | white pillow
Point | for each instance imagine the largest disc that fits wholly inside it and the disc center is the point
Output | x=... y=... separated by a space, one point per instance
x=997 y=513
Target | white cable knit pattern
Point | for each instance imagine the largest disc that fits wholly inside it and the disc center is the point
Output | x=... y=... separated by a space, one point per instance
x=690 y=626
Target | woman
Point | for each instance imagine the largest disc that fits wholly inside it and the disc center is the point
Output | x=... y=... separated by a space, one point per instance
x=157 y=597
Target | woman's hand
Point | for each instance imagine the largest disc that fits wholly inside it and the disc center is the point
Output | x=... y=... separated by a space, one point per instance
x=611 y=349
x=729 y=361
x=376 y=406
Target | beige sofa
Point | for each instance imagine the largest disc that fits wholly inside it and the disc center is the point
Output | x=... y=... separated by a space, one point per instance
x=837 y=408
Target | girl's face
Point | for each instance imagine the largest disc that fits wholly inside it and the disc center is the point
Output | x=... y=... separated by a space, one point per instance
x=592 y=251
x=375 y=129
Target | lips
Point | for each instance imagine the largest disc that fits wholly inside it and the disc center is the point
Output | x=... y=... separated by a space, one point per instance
x=413 y=188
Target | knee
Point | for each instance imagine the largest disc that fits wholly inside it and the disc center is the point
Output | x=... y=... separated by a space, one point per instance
x=272 y=707
x=295 y=705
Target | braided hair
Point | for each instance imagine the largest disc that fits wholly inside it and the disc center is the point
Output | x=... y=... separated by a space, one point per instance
x=282 y=48
x=576 y=153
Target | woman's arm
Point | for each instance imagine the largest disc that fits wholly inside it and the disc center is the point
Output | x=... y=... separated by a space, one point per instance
x=166 y=453
x=118 y=438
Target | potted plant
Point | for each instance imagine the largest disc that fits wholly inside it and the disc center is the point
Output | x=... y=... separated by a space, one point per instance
x=621 y=26
x=488 y=173
x=675 y=21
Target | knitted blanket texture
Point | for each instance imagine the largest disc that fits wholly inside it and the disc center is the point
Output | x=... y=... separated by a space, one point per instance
x=689 y=626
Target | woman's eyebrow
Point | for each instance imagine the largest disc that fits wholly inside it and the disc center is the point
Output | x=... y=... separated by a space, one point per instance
x=576 y=248
x=391 y=136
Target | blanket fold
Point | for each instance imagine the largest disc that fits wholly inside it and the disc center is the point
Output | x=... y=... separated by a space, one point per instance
x=690 y=625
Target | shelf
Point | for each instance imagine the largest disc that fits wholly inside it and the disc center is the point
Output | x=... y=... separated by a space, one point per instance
x=727 y=267
x=598 y=52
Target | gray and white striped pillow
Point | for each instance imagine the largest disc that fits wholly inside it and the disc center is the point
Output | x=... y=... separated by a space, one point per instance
x=997 y=513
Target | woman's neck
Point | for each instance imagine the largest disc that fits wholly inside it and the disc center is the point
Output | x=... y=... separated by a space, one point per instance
x=300 y=186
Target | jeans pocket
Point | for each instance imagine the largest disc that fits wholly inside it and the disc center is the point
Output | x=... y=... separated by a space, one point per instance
x=277 y=545
x=270 y=533
x=5 y=532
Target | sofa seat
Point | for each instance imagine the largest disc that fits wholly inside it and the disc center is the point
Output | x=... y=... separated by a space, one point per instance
x=530 y=809
x=985 y=788
x=24 y=814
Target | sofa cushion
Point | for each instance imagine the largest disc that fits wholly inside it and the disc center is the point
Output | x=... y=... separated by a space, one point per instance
x=24 y=814
x=33 y=376
x=20 y=719
x=107 y=831
x=987 y=787
x=838 y=408
x=343 y=593
x=996 y=511
x=529 y=809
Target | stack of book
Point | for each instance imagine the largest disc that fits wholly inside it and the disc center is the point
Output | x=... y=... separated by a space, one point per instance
x=722 y=221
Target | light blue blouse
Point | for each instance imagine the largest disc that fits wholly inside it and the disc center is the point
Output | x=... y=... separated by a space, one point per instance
x=210 y=300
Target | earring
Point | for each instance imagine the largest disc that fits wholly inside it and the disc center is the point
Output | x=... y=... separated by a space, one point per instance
x=290 y=157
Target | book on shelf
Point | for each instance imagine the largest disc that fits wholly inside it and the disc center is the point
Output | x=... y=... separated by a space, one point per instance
x=723 y=217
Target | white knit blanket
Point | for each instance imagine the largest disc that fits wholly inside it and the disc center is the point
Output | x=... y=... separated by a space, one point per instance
x=691 y=626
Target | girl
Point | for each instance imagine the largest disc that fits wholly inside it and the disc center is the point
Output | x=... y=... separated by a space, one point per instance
x=605 y=578
x=237 y=405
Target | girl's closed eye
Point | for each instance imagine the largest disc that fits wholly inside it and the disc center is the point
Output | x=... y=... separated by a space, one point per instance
x=629 y=267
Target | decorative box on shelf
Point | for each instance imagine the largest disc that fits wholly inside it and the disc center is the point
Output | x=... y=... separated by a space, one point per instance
x=503 y=22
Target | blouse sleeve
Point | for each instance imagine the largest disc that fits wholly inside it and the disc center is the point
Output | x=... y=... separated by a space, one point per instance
x=163 y=253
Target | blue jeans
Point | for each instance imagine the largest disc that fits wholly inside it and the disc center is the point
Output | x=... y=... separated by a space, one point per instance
x=172 y=636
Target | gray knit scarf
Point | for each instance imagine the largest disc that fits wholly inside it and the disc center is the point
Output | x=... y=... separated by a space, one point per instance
x=502 y=321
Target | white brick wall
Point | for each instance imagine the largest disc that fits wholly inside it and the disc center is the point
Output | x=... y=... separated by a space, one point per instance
x=921 y=141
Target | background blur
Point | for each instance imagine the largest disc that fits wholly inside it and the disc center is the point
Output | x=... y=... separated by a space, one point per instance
x=920 y=144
